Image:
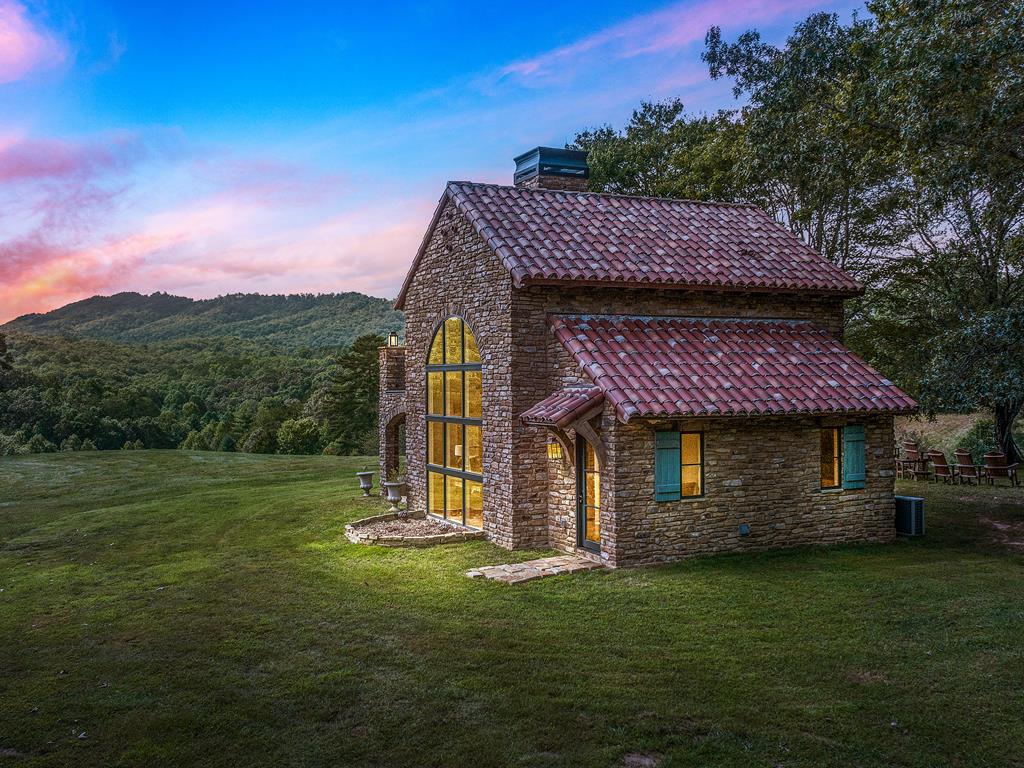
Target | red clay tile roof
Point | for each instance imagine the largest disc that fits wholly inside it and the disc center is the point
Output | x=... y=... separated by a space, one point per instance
x=563 y=407
x=548 y=236
x=650 y=367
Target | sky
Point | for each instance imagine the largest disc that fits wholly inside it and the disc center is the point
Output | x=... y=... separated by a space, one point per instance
x=206 y=148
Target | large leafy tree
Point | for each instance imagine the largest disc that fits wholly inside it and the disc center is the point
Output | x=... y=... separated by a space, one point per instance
x=809 y=160
x=948 y=92
x=981 y=364
x=663 y=152
x=913 y=125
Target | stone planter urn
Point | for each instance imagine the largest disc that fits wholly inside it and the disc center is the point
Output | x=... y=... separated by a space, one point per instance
x=365 y=482
x=395 y=490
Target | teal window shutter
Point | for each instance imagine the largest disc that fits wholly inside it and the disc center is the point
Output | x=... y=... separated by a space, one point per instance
x=666 y=466
x=854 y=470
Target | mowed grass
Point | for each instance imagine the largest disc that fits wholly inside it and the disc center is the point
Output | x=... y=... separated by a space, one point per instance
x=174 y=608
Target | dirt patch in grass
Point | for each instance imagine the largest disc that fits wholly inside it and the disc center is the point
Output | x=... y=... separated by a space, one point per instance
x=641 y=760
x=1005 y=533
x=866 y=676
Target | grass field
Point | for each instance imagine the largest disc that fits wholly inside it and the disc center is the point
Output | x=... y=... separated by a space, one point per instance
x=173 y=608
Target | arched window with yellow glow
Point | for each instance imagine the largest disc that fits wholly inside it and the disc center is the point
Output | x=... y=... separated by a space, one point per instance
x=455 y=446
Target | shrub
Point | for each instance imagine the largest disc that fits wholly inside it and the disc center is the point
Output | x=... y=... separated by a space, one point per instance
x=193 y=442
x=39 y=444
x=11 y=445
x=71 y=443
x=260 y=440
x=88 y=445
x=369 y=443
x=299 y=436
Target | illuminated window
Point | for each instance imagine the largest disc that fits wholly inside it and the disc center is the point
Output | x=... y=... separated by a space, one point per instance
x=831 y=457
x=691 y=453
x=455 y=445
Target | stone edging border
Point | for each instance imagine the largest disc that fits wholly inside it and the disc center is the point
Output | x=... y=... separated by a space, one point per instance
x=457 y=534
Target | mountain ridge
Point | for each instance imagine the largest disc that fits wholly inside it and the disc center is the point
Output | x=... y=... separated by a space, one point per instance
x=283 y=321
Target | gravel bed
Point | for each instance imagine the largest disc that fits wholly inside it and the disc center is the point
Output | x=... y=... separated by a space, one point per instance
x=410 y=527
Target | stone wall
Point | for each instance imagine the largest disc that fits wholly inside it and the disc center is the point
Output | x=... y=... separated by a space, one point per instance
x=760 y=471
x=545 y=500
x=460 y=276
x=391 y=411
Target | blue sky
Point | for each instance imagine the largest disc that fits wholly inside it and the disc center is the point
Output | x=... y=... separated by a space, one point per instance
x=207 y=148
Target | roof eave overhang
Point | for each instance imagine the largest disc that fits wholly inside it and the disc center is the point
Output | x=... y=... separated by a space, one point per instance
x=626 y=416
x=521 y=281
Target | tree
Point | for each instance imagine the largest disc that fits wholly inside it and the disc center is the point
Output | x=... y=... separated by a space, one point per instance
x=898 y=145
x=5 y=355
x=300 y=436
x=260 y=440
x=662 y=152
x=982 y=364
x=948 y=91
x=348 y=400
x=810 y=162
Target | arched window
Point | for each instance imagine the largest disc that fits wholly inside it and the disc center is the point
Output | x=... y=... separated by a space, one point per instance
x=455 y=446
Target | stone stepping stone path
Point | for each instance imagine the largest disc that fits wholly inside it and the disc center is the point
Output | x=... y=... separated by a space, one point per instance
x=514 y=573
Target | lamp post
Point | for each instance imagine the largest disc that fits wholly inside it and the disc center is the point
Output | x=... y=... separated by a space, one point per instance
x=393 y=339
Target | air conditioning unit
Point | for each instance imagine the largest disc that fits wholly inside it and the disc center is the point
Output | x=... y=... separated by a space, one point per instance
x=910 y=515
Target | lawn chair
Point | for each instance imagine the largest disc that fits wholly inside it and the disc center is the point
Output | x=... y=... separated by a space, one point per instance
x=911 y=460
x=996 y=466
x=918 y=463
x=965 y=469
x=940 y=469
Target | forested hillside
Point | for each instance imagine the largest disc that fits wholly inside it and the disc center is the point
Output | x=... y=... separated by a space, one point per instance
x=281 y=389
x=292 y=322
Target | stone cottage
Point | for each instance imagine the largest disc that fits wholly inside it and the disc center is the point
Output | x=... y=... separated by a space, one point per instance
x=635 y=379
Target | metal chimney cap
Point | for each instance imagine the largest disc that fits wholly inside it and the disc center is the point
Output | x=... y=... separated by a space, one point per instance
x=550 y=161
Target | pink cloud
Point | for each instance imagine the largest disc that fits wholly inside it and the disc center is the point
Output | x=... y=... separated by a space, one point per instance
x=49 y=159
x=212 y=223
x=669 y=29
x=25 y=46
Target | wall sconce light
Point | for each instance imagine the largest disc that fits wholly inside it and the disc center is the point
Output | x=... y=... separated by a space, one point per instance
x=554 y=451
x=458 y=451
x=393 y=339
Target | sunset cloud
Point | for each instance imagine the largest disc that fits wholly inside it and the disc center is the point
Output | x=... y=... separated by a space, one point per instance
x=666 y=30
x=24 y=45
x=71 y=224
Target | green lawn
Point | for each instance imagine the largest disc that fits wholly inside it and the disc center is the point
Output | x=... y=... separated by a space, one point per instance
x=172 y=608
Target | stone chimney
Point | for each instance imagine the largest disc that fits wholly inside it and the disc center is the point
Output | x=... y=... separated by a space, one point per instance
x=549 y=168
x=392 y=368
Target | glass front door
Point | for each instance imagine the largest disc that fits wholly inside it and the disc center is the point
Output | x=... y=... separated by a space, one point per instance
x=588 y=496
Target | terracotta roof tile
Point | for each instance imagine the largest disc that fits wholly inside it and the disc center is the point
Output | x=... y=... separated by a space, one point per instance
x=548 y=236
x=666 y=366
x=563 y=407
